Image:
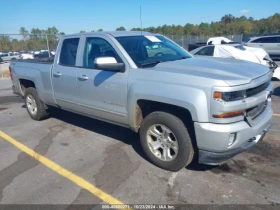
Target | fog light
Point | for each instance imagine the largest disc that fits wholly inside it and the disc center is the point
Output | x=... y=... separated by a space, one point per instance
x=232 y=138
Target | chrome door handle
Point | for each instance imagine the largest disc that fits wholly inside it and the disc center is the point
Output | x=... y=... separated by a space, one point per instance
x=57 y=74
x=83 y=77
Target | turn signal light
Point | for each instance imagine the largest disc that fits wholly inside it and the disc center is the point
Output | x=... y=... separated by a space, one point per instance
x=218 y=95
x=228 y=114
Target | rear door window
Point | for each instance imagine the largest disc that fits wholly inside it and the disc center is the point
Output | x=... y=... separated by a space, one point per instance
x=68 y=52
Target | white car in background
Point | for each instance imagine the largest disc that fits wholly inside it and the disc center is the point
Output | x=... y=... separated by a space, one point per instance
x=25 y=56
x=7 y=57
x=240 y=52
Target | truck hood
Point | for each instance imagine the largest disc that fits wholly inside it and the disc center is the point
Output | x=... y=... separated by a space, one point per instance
x=233 y=72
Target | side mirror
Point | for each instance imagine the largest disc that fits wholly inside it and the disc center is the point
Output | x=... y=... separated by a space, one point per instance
x=108 y=63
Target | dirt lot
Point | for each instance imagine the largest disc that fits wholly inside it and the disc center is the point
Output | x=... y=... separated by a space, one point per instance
x=110 y=160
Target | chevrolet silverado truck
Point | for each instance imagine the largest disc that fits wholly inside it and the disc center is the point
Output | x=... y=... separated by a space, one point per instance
x=184 y=108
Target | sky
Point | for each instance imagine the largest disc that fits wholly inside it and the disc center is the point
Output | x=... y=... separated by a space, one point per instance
x=71 y=16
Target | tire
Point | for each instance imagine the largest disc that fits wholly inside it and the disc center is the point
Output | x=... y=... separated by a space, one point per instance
x=41 y=112
x=185 y=151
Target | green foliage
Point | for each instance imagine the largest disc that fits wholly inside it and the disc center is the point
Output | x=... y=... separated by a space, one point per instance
x=100 y=29
x=5 y=43
x=33 y=40
x=228 y=25
x=120 y=29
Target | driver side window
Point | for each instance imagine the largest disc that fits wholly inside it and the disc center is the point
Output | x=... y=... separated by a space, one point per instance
x=207 y=51
x=98 y=47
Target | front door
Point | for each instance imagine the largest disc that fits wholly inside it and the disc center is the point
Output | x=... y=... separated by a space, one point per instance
x=103 y=93
x=64 y=75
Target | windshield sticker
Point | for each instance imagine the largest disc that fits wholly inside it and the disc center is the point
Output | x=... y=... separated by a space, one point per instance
x=153 y=38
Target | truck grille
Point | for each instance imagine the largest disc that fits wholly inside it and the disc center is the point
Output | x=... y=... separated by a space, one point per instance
x=253 y=91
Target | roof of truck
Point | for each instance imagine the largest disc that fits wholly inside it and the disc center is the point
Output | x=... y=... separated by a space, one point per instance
x=116 y=33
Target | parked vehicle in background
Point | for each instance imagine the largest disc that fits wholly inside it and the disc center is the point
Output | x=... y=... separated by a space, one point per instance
x=180 y=105
x=240 y=52
x=212 y=41
x=43 y=54
x=25 y=56
x=6 y=57
x=271 y=44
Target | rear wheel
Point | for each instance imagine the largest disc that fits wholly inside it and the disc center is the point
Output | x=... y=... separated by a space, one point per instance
x=166 y=141
x=35 y=107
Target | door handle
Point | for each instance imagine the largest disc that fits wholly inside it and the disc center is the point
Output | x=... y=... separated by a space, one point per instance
x=57 y=74
x=261 y=45
x=83 y=77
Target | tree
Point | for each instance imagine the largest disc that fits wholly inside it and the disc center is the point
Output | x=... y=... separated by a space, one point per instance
x=120 y=29
x=188 y=28
x=228 y=18
x=100 y=29
x=23 y=32
x=5 y=44
x=82 y=31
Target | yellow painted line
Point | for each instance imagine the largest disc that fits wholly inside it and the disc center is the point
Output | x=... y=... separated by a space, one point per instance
x=277 y=115
x=63 y=172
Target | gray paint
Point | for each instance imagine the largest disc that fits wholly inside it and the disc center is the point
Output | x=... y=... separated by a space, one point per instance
x=188 y=83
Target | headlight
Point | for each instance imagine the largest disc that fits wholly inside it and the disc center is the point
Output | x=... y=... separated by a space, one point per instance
x=229 y=96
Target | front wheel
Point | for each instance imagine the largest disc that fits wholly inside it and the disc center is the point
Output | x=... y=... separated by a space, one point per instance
x=166 y=141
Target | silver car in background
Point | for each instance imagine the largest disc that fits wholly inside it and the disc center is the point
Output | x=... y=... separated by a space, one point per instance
x=271 y=44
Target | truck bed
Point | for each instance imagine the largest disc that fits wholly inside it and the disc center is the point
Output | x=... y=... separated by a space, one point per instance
x=39 y=72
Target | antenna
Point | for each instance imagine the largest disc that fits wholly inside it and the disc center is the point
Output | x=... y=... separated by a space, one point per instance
x=141 y=18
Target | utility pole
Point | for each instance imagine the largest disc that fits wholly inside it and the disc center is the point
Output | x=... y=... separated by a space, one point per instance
x=48 y=45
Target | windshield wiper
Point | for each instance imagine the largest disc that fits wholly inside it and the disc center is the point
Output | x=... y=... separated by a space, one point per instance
x=150 y=64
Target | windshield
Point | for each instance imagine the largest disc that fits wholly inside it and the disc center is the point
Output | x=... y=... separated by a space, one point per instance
x=240 y=47
x=151 y=49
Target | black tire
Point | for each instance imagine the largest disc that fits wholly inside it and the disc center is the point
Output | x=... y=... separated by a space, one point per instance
x=185 y=152
x=42 y=112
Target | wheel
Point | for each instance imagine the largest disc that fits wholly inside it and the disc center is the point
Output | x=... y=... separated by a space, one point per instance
x=13 y=59
x=35 y=107
x=166 y=141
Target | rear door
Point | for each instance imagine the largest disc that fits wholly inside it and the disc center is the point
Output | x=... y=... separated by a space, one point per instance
x=64 y=74
x=103 y=93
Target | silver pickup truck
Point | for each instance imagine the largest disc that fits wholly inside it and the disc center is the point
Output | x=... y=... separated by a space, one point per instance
x=185 y=109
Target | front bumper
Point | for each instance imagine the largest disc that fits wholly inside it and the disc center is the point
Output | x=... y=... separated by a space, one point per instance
x=212 y=139
x=216 y=158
